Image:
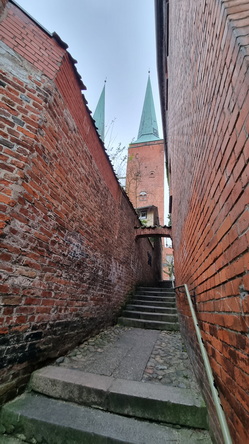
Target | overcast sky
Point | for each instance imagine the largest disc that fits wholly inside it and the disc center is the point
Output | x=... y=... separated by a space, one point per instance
x=113 y=39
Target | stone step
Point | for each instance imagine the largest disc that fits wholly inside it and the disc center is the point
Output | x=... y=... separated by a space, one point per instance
x=155 y=293
x=151 y=316
x=151 y=308
x=154 y=325
x=165 y=284
x=142 y=301
x=157 y=289
x=125 y=397
x=154 y=298
x=41 y=419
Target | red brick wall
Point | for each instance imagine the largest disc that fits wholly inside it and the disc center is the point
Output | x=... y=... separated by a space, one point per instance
x=68 y=254
x=145 y=172
x=208 y=147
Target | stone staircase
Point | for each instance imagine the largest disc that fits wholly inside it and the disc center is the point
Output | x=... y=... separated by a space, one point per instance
x=67 y=406
x=105 y=404
x=151 y=307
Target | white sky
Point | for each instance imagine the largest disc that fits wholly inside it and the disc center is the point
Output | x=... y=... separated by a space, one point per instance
x=113 y=39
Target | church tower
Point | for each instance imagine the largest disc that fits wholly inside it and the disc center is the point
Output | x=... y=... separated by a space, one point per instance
x=145 y=165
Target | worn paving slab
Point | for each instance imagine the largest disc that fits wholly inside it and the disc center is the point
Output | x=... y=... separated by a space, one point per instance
x=153 y=356
x=118 y=352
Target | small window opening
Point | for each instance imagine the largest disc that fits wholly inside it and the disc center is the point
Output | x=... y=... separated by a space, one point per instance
x=143 y=195
x=143 y=215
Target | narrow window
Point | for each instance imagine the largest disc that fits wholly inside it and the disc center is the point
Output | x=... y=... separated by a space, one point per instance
x=143 y=195
x=143 y=215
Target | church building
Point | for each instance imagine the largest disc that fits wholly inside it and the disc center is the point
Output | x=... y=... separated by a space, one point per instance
x=145 y=176
x=145 y=165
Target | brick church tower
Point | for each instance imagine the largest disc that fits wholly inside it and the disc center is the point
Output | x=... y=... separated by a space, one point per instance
x=145 y=184
x=145 y=165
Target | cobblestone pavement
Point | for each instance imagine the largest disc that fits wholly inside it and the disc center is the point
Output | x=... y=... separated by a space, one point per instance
x=168 y=363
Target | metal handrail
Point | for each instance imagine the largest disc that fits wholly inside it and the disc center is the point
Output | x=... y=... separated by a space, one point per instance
x=215 y=395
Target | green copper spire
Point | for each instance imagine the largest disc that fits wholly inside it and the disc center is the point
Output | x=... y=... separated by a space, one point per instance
x=99 y=115
x=148 y=130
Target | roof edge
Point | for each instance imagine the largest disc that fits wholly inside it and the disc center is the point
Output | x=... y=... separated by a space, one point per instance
x=31 y=17
x=58 y=39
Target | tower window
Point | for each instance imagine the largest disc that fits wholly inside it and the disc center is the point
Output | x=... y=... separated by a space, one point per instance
x=143 y=195
x=152 y=174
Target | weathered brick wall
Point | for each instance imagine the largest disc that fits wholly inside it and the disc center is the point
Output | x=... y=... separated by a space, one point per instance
x=208 y=126
x=68 y=251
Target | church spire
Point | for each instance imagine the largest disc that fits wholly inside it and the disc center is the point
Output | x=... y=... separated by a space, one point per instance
x=148 y=130
x=99 y=114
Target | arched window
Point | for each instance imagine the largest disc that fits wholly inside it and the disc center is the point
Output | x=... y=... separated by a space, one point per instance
x=152 y=174
x=142 y=195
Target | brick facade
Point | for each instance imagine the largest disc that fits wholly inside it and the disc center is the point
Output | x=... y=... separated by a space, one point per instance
x=68 y=251
x=145 y=174
x=203 y=49
x=145 y=181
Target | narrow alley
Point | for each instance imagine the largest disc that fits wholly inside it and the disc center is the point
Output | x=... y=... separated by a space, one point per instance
x=126 y=384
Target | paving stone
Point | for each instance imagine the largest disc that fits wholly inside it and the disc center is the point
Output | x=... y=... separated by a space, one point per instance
x=113 y=353
x=120 y=352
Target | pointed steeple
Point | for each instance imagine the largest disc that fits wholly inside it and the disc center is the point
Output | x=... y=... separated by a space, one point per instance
x=99 y=114
x=148 y=129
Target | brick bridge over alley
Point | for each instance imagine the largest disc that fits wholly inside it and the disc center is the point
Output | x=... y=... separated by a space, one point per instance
x=153 y=231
